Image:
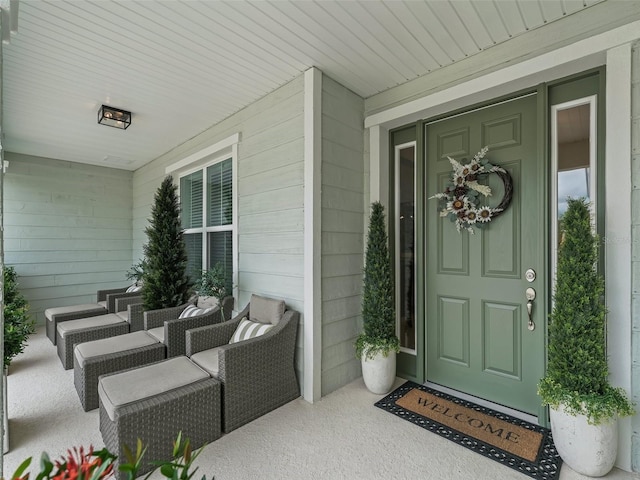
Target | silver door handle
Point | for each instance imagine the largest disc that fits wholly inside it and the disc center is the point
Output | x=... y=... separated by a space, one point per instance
x=531 y=295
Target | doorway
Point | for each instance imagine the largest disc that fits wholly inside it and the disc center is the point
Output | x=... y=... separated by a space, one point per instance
x=472 y=308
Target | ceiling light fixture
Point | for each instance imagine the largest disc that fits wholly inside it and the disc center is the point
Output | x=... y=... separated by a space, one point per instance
x=114 y=117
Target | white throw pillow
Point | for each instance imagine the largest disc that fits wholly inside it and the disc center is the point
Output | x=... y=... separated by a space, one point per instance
x=192 y=311
x=134 y=288
x=248 y=329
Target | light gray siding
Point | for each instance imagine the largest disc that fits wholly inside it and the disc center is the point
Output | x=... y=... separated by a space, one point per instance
x=635 y=250
x=342 y=233
x=67 y=229
x=270 y=195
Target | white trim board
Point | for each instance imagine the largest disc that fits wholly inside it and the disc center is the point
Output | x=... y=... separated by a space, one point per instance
x=578 y=56
x=216 y=149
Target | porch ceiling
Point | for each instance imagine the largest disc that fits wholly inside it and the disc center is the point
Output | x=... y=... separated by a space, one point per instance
x=182 y=66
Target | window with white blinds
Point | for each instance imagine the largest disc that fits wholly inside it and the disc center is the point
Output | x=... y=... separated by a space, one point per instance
x=206 y=198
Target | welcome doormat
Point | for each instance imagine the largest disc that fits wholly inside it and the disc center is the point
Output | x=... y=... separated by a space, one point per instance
x=515 y=443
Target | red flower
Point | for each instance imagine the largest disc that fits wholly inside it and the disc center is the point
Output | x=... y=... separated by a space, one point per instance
x=81 y=466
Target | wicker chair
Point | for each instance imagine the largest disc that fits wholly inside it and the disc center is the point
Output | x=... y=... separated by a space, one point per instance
x=106 y=303
x=258 y=374
x=165 y=324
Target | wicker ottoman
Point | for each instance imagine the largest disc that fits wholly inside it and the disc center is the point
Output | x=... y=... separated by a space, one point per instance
x=154 y=403
x=108 y=355
x=71 y=312
x=73 y=332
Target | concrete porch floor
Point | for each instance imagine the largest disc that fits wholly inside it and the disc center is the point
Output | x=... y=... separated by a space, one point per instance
x=343 y=436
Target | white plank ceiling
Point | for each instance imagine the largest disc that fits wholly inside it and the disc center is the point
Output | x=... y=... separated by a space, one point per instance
x=182 y=66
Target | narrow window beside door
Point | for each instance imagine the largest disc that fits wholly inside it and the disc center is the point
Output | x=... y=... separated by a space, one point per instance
x=405 y=163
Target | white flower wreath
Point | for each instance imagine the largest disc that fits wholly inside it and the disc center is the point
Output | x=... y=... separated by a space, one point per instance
x=458 y=201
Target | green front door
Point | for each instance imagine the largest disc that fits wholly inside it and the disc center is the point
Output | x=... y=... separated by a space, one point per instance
x=478 y=340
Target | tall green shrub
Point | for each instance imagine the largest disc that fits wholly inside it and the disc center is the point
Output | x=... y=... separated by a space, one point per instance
x=17 y=323
x=378 y=307
x=577 y=371
x=165 y=282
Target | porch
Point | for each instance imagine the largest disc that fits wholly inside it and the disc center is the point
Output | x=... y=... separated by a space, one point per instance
x=341 y=436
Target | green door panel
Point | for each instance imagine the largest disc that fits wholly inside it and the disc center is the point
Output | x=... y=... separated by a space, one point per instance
x=477 y=340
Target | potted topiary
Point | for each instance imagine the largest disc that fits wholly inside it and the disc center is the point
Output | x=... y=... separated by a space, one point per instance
x=212 y=287
x=584 y=407
x=164 y=269
x=378 y=344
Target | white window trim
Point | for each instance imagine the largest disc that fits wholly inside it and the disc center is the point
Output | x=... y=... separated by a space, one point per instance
x=592 y=102
x=200 y=160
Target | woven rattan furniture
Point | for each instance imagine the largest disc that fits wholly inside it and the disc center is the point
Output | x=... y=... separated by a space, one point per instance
x=73 y=332
x=106 y=304
x=168 y=328
x=154 y=403
x=257 y=375
x=109 y=355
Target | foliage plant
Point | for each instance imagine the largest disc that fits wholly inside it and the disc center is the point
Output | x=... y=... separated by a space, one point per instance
x=577 y=371
x=213 y=283
x=98 y=465
x=136 y=272
x=164 y=278
x=378 y=309
x=17 y=323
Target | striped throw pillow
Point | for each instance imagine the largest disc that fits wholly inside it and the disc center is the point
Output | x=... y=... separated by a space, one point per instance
x=248 y=329
x=133 y=288
x=192 y=311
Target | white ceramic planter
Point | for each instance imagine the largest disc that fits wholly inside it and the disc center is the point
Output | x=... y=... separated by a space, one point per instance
x=588 y=449
x=5 y=419
x=379 y=372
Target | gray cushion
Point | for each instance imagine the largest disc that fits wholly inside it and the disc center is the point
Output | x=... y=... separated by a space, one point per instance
x=103 y=303
x=132 y=385
x=87 y=307
x=265 y=310
x=89 y=322
x=124 y=315
x=208 y=360
x=120 y=343
x=157 y=333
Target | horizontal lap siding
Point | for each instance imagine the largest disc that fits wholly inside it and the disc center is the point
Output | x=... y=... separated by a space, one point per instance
x=270 y=196
x=342 y=209
x=67 y=229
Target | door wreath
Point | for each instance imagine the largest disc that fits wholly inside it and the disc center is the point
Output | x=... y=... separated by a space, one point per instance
x=459 y=200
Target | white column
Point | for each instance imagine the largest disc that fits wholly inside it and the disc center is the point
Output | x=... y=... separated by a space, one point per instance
x=312 y=315
x=618 y=231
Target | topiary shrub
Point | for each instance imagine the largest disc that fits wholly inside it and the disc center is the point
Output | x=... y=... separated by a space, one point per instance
x=577 y=371
x=17 y=323
x=164 y=278
x=378 y=306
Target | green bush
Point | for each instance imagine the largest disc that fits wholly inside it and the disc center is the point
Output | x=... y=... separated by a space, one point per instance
x=378 y=308
x=164 y=278
x=17 y=323
x=577 y=371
